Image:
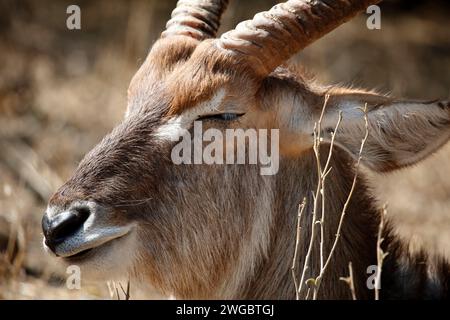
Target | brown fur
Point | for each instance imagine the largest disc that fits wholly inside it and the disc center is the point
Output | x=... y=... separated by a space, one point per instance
x=224 y=231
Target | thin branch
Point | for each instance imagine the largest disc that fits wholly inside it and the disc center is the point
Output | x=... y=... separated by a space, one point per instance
x=127 y=292
x=301 y=208
x=117 y=293
x=350 y=280
x=324 y=173
x=307 y=293
x=316 y=148
x=380 y=254
x=346 y=204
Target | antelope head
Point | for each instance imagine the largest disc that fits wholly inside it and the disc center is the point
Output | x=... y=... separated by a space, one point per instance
x=202 y=230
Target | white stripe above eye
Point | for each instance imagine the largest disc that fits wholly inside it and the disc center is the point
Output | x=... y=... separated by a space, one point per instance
x=174 y=128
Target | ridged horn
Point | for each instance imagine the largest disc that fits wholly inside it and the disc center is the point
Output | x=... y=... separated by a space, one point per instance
x=198 y=19
x=273 y=36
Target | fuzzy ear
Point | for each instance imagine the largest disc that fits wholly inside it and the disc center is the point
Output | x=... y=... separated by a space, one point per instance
x=401 y=133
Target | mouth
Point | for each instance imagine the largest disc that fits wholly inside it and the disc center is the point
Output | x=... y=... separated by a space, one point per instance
x=83 y=245
x=91 y=252
x=80 y=255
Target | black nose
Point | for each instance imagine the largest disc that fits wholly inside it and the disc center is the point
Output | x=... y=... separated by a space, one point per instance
x=63 y=225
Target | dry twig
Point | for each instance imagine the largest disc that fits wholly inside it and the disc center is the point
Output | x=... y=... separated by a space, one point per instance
x=319 y=195
x=347 y=202
x=350 y=281
x=301 y=208
x=380 y=253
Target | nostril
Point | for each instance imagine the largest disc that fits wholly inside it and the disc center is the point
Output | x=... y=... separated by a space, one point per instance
x=67 y=225
x=83 y=213
x=63 y=225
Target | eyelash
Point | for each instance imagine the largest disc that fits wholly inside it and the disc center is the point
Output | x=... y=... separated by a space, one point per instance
x=221 y=116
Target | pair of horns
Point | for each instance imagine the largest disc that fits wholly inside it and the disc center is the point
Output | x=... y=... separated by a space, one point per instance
x=271 y=37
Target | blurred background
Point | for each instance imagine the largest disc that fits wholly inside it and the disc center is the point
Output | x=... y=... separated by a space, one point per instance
x=62 y=90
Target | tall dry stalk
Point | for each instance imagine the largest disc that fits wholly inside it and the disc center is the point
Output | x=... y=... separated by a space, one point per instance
x=346 y=204
x=319 y=195
x=380 y=253
x=350 y=280
x=301 y=208
x=316 y=148
x=113 y=289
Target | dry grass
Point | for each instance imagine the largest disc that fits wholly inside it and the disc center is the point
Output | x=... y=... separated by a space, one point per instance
x=61 y=91
x=350 y=281
x=313 y=284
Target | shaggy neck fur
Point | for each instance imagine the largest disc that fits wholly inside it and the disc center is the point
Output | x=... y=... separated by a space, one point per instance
x=403 y=276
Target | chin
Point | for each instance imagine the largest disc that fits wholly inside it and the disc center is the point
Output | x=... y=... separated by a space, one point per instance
x=113 y=260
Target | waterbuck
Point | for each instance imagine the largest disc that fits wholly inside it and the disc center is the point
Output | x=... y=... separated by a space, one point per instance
x=225 y=230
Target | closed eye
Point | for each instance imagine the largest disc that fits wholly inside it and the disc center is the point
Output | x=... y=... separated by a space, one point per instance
x=221 y=116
